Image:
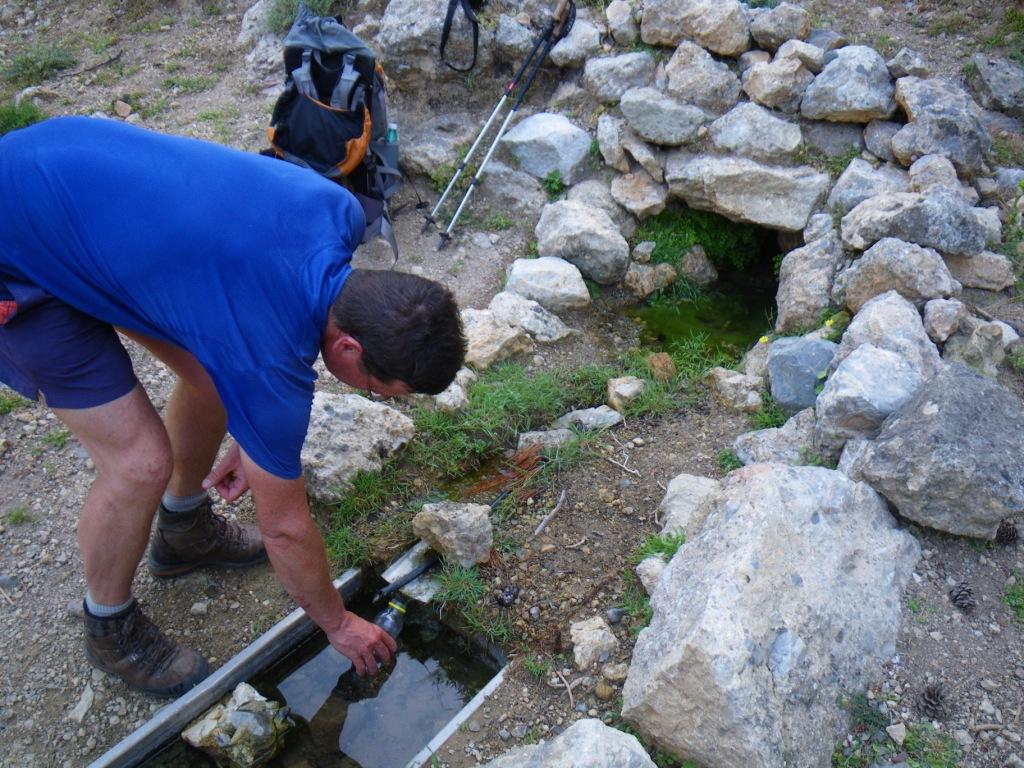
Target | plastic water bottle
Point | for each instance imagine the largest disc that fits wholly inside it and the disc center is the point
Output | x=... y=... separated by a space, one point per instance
x=392 y=133
x=392 y=618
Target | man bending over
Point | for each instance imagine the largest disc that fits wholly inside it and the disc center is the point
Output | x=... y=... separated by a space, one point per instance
x=233 y=269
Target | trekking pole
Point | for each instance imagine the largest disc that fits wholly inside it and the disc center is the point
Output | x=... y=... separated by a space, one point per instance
x=557 y=28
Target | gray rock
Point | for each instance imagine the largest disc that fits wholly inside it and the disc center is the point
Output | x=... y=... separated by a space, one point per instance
x=811 y=56
x=752 y=131
x=659 y=118
x=779 y=24
x=788 y=597
x=862 y=180
x=246 y=729
x=795 y=368
x=933 y=172
x=623 y=390
x=649 y=571
x=697 y=267
x=609 y=140
x=891 y=322
x=548 y=142
x=755 y=360
x=867 y=386
x=916 y=273
x=721 y=26
x=588 y=743
x=792 y=443
x=736 y=391
x=878 y=139
x=461 y=532
x=639 y=194
x=642 y=251
x=512 y=40
x=694 y=77
x=686 y=504
x=455 y=397
x=621 y=24
x=750 y=58
x=805 y=284
x=907 y=62
x=956 y=440
x=601 y=417
x=818 y=226
x=597 y=193
x=779 y=84
x=988 y=271
x=608 y=77
x=642 y=280
x=944 y=120
x=832 y=139
x=349 y=434
x=590 y=639
x=490 y=340
x=978 y=345
x=527 y=314
x=553 y=283
x=436 y=142
x=510 y=191
x=410 y=36
x=990 y=222
x=551 y=438
x=997 y=84
x=785 y=200
x=940 y=219
x=854 y=87
x=942 y=317
x=582 y=42
x=584 y=236
x=650 y=158
x=826 y=39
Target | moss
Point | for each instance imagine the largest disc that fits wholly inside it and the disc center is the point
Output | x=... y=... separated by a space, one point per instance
x=677 y=229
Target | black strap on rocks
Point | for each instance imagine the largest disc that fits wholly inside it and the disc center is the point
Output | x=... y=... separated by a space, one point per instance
x=449 y=17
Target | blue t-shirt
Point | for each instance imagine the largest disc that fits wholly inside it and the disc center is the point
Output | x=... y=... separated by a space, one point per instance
x=232 y=256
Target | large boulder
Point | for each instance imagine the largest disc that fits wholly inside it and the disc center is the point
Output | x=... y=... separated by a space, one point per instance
x=867 y=386
x=461 y=532
x=410 y=36
x=752 y=131
x=949 y=459
x=997 y=84
x=778 y=84
x=783 y=22
x=490 y=340
x=792 y=443
x=916 y=273
x=745 y=190
x=854 y=87
x=608 y=77
x=505 y=189
x=795 y=368
x=621 y=24
x=987 y=270
x=695 y=77
x=940 y=219
x=891 y=322
x=349 y=434
x=660 y=118
x=944 y=120
x=805 y=283
x=787 y=600
x=597 y=193
x=553 y=283
x=586 y=237
x=529 y=315
x=861 y=180
x=721 y=26
x=549 y=142
x=586 y=743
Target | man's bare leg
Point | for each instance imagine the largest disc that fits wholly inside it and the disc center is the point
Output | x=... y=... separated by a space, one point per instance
x=128 y=444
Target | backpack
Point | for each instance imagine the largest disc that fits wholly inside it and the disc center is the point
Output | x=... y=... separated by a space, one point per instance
x=333 y=117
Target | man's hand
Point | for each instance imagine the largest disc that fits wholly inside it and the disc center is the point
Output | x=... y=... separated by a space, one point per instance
x=361 y=641
x=228 y=477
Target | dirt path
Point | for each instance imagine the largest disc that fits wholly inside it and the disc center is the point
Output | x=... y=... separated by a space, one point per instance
x=180 y=72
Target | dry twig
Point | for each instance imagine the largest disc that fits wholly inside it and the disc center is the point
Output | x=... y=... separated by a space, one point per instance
x=568 y=689
x=6 y=596
x=623 y=467
x=549 y=515
x=578 y=544
x=103 y=63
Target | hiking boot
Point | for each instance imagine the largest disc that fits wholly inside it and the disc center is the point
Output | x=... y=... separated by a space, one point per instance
x=185 y=541
x=131 y=646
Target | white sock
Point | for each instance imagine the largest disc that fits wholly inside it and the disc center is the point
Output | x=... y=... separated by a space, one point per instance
x=174 y=504
x=102 y=611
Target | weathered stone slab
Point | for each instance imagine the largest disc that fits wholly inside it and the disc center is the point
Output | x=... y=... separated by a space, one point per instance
x=694 y=77
x=861 y=180
x=661 y=119
x=608 y=77
x=461 y=532
x=548 y=142
x=792 y=443
x=752 y=131
x=997 y=84
x=777 y=25
x=795 y=368
x=686 y=504
x=805 y=283
x=988 y=271
x=553 y=283
x=721 y=26
x=529 y=315
x=490 y=340
x=854 y=87
x=585 y=236
x=779 y=84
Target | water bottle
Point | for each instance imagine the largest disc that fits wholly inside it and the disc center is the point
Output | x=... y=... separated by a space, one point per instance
x=392 y=133
x=392 y=618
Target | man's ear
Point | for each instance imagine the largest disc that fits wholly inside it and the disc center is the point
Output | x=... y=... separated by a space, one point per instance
x=341 y=344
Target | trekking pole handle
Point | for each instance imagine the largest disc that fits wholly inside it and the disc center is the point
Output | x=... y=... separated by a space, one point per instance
x=561 y=15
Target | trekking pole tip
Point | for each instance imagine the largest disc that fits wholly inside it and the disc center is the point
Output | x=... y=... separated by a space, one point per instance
x=443 y=240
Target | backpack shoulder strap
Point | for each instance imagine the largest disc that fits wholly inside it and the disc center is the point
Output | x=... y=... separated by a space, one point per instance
x=467 y=9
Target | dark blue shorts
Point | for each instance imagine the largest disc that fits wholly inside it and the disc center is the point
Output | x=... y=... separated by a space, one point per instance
x=71 y=359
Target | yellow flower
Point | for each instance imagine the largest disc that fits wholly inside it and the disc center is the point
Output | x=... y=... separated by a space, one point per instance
x=830 y=322
x=763 y=340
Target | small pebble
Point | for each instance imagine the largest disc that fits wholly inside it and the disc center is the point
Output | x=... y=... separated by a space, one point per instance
x=614 y=615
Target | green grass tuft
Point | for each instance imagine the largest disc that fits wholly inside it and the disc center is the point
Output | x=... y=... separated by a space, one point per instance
x=57 y=439
x=12 y=402
x=346 y=547
x=1013 y=597
x=189 y=85
x=1010 y=35
x=465 y=590
x=19 y=516
x=770 y=414
x=664 y=545
x=36 y=63
x=553 y=184
x=677 y=229
x=539 y=668
x=728 y=461
x=282 y=13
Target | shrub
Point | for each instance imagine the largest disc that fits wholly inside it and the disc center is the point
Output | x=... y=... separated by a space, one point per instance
x=36 y=63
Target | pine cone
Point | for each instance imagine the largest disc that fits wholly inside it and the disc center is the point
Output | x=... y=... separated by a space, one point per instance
x=962 y=596
x=1007 y=532
x=933 y=701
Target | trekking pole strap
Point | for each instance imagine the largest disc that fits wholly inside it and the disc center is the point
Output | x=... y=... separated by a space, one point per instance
x=449 y=17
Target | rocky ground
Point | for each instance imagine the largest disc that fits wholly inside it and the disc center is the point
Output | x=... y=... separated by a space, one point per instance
x=175 y=67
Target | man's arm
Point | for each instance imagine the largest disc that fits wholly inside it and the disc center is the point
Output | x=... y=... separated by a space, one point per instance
x=296 y=550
